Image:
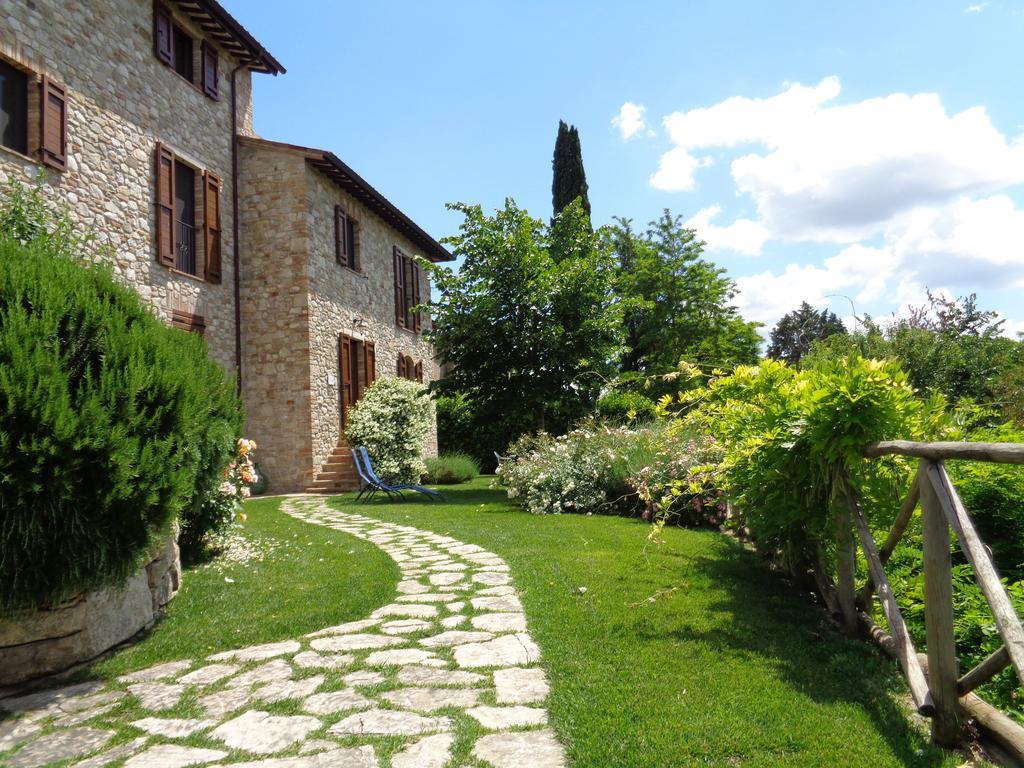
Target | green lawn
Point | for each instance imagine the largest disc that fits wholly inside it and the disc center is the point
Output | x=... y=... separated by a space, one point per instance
x=729 y=667
x=279 y=579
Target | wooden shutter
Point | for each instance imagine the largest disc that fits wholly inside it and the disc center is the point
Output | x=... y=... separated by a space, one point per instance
x=211 y=225
x=415 y=294
x=209 y=71
x=345 y=370
x=53 y=124
x=341 y=245
x=399 y=288
x=370 y=362
x=164 y=206
x=401 y=366
x=163 y=36
x=419 y=371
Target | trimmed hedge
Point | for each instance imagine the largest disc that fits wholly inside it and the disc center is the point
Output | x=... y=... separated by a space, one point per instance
x=627 y=408
x=111 y=423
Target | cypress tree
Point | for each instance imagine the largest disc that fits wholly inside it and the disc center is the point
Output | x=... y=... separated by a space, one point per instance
x=569 y=179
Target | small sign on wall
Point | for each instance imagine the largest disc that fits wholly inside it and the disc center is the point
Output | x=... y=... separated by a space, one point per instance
x=332 y=380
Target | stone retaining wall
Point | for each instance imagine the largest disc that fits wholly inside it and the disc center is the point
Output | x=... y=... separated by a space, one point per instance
x=53 y=640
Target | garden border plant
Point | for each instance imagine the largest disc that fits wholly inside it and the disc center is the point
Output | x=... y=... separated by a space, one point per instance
x=111 y=422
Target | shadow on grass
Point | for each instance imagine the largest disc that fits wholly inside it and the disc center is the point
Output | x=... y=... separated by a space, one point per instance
x=768 y=618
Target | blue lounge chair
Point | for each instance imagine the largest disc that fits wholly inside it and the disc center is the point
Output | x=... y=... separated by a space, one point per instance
x=367 y=486
x=377 y=484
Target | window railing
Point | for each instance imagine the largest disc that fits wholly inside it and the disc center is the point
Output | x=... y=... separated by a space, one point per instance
x=185 y=258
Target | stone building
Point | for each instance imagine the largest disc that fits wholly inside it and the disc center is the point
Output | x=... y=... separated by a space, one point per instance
x=138 y=116
x=329 y=284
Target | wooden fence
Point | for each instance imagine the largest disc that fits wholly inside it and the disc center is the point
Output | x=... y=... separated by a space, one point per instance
x=938 y=689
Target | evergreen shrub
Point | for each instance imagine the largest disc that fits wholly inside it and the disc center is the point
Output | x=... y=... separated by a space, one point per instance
x=111 y=423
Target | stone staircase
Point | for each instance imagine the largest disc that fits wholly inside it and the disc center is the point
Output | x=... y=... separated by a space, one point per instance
x=338 y=474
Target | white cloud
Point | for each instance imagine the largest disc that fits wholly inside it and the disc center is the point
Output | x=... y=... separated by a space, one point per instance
x=676 y=171
x=956 y=249
x=841 y=173
x=631 y=121
x=743 y=235
x=976 y=8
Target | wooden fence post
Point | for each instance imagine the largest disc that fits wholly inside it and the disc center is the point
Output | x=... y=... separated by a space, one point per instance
x=947 y=723
x=846 y=566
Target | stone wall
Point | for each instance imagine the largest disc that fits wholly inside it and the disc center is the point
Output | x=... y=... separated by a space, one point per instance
x=275 y=312
x=42 y=643
x=121 y=102
x=360 y=304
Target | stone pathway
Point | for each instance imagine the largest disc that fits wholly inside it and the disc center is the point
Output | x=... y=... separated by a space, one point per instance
x=449 y=665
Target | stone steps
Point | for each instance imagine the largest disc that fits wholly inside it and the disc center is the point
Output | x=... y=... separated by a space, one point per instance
x=338 y=473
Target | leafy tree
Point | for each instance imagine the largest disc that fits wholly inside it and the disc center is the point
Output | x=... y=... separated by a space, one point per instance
x=793 y=335
x=947 y=346
x=569 y=178
x=530 y=334
x=676 y=305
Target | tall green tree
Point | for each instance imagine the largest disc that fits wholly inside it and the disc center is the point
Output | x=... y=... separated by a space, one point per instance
x=529 y=329
x=676 y=305
x=796 y=331
x=569 y=179
x=949 y=346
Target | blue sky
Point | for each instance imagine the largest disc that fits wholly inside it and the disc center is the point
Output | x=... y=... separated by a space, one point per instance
x=828 y=152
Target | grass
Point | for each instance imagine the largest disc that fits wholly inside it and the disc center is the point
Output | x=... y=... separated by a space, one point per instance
x=727 y=665
x=279 y=578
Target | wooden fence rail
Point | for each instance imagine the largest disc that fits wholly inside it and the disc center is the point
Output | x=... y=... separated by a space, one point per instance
x=936 y=684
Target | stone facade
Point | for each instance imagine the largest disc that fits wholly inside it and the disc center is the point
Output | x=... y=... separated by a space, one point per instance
x=298 y=301
x=293 y=296
x=52 y=640
x=121 y=101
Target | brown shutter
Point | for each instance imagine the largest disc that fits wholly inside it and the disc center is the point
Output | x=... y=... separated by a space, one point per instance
x=211 y=225
x=370 y=362
x=416 y=295
x=53 y=124
x=401 y=366
x=345 y=366
x=399 y=289
x=164 y=206
x=209 y=71
x=419 y=371
x=340 y=236
x=163 y=38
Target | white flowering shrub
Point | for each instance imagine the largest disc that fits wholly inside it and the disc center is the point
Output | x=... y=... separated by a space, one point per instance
x=602 y=469
x=583 y=471
x=392 y=420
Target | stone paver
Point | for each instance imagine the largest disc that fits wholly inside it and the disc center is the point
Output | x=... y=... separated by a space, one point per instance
x=455 y=638
x=60 y=745
x=431 y=752
x=520 y=686
x=173 y=756
x=537 y=749
x=264 y=733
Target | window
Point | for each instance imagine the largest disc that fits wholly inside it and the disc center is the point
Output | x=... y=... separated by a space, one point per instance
x=407 y=290
x=13 y=108
x=357 y=366
x=345 y=243
x=185 y=218
x=177 y=244
x=181 y=52
x=407 y=369
x=188 y=322
x=51 y=102
x=176 y=48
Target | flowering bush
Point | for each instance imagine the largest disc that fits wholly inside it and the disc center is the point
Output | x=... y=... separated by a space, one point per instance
x=220 y=503
x=657 y=472
x=392 y=420
x=676 y=486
